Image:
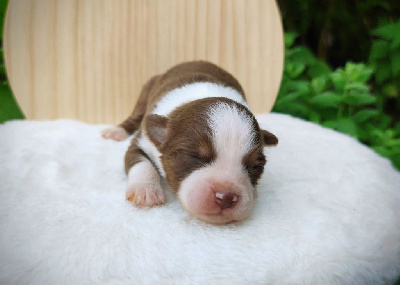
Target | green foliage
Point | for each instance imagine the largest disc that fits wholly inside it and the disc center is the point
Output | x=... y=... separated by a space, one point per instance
x=385 y=59
x=340 y=99
x=8 y=106
x=3 y=6
x=9 y=109
x=337 y=31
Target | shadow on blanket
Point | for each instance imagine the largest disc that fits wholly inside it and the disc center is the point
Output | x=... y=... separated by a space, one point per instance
x=327 y=212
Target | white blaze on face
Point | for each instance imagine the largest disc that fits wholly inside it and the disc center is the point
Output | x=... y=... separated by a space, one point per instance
x=233 y=138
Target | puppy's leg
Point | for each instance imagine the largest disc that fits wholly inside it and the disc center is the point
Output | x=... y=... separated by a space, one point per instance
x=144 y=186
x=132 y=123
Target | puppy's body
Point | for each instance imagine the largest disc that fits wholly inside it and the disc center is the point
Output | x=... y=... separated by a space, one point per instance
x=194 y=129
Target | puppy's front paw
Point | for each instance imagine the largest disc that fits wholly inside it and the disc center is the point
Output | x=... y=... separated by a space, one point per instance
x=144 y=195
x=115 y=133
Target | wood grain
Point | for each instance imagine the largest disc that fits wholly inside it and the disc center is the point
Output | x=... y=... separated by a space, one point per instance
x=88 y=59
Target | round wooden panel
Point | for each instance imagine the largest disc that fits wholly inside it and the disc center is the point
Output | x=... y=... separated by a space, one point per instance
x=88 y=59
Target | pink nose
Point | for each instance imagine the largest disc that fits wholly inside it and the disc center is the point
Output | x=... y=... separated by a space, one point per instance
x=225 y=200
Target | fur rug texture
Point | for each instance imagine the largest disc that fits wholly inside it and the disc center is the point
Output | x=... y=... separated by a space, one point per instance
x=328 y=212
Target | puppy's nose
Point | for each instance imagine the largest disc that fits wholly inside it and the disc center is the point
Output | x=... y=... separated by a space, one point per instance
x=225 y=200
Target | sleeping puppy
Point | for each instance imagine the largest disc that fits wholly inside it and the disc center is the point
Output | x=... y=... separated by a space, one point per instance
x=194 y=128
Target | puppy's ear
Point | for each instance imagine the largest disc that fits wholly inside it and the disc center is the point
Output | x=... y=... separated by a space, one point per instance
x=269 y=138
x=156 y=127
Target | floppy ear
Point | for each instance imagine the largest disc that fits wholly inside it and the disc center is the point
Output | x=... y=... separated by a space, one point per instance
x=156 y=127
x=269 y=138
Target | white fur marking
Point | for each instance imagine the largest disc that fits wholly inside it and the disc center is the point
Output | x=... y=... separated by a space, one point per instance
x=233 y=136
x=142 y=172
x=151 y=150
x=192 y=92
x=144 y=186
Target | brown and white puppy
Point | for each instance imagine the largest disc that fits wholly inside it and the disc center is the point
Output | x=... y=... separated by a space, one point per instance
x=194 y=129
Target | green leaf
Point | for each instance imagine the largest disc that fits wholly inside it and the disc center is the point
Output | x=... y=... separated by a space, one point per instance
x=357 y=72
x=357 y=86
x=298 y=109
x=301 y=86
x=385 y=121
x=383 y=72
x=385 y=152
x=394 y=143
x=3 y=7
x=364 y=115
x=379 y=50
x=319 y=84
x=301 y=55
x=396 y=41
x=318 y=68
x=314 y=117
x=387 y=31
x=390 y=90
x=359 y=99
x=375 y=135
x=8 y=106
x=397 y=129
x=395 y=62
x=338 y=81
x=365 y=74
x=346 y=126
x=294 y=70
x=326 y=100
x=388 y=136
x=3 y=70
x=396 y=162
x=330 y=124
x=286 y=99
x=290 y=37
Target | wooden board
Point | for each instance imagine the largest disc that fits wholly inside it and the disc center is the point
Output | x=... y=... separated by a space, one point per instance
x=88 y=59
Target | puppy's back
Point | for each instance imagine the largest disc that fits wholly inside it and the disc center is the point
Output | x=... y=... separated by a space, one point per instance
x=188 y=73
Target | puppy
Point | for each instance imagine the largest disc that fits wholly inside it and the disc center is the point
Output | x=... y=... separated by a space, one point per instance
x=194 y=128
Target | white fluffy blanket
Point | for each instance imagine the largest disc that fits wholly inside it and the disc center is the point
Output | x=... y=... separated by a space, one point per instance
x=328 y=212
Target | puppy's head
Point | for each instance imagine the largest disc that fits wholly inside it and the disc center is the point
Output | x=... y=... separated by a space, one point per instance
x=212 y=155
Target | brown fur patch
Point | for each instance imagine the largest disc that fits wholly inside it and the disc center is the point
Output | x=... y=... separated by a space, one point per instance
x=269 y=138
x=254 y=163
x=189 y=143
x=134 y=154
x=156 y=127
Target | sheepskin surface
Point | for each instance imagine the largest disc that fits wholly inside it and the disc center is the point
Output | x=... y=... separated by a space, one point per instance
x=328 y=212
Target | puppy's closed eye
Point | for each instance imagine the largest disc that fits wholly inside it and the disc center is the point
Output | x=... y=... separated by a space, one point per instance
x=195 y=157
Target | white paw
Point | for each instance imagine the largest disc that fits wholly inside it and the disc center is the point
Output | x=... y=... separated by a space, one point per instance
x=145 y=195
x=115 y=133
